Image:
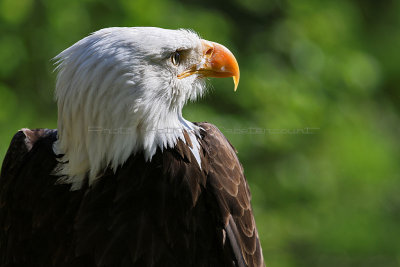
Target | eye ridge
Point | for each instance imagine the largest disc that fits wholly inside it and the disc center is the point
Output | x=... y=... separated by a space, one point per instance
x=176 y=58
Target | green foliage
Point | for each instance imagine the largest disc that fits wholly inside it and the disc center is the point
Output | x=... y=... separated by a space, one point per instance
x=330 y=198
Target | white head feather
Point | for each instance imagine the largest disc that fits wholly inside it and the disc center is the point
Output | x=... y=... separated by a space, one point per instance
x=118 y=93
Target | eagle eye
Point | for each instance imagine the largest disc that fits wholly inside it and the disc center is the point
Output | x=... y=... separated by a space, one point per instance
x=176 y=58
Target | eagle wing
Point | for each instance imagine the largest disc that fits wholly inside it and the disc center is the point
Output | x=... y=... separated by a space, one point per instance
x=20 y=145
x=28 y=209
x=230 y=188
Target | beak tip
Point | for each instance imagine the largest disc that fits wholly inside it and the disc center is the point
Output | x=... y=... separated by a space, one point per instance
x=236 y=82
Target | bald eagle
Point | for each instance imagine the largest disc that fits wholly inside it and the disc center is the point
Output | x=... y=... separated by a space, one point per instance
x=125 y=180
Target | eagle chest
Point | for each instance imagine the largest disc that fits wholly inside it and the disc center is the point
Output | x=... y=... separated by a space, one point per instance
x=158 y=209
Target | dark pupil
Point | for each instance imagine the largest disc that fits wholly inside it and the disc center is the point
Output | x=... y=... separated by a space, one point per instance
x=175 y=58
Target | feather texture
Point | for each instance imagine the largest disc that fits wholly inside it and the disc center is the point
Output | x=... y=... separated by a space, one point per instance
x=163 y=212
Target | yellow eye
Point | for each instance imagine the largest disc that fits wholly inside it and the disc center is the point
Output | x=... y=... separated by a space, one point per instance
x=176 y=58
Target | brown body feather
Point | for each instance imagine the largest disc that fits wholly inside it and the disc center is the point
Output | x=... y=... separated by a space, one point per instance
x=167 y=212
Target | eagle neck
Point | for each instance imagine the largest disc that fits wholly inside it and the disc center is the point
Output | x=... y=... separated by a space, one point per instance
x=169 y=130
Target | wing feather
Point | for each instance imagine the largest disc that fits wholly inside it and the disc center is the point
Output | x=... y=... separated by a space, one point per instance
x=232 y=193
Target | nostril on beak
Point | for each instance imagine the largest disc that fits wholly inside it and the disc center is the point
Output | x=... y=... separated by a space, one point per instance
x=209 y=51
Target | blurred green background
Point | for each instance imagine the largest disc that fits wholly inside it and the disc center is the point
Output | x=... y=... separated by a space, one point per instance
x=326 y=196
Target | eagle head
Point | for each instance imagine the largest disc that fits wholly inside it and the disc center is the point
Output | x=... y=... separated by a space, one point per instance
x=121 y=91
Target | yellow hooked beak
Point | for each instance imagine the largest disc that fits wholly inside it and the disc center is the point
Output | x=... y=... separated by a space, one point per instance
x=217 y=62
